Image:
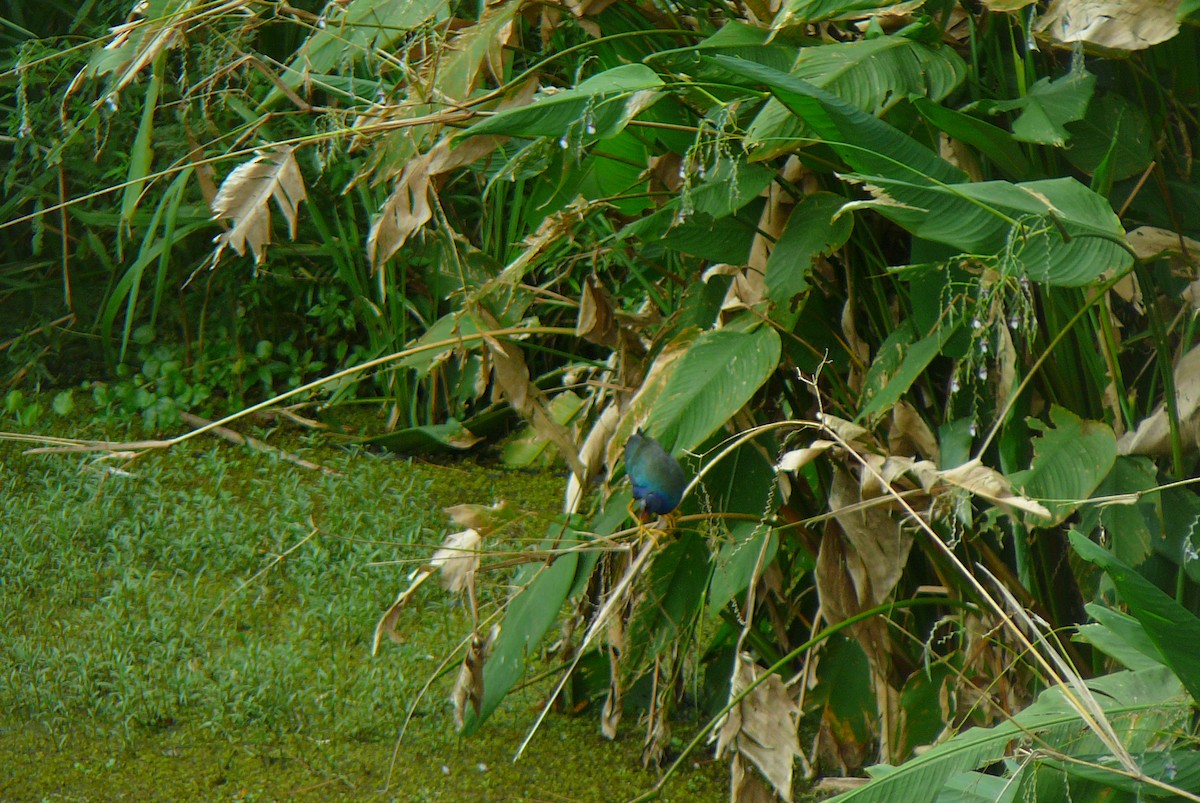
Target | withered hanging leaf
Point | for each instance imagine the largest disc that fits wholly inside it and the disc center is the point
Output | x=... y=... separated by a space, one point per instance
x=910 y=435
x=458 y=560
x=406 y=209
x=387 y=623
x=469 y=685
x=245 y=197
x=484 y=518
x=980 y=480
x=596 y=323
x=763 y=727
x=512 y=377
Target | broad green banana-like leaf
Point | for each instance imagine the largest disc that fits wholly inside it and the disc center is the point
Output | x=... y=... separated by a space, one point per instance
x=1140 y=705
x=1047 y=107
x=670 y=600
x=598 y=108
x=1070 y=460
x=713 y=380
x=802 y=12
x=1174 y=630
x=1055 y=232
x=863 y=141
x=529 y=615
x=871 y=75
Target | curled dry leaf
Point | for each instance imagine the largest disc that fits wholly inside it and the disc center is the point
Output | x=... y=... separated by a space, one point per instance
x=592 y=455
x=458 y=560
x=245 y=197
x=910 y=435
x=798 y=458
x=980 y=480
x=468 y=688
x=485 y=518
x=512 y=377
x=1149 y=242
x=596 y=323
x=762 y=727
x=1114 y=24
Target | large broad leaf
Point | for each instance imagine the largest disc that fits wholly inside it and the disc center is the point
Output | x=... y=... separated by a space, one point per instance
x=813 y=229
x=871 y=75
x=1069 y=461
x=1113 y=131
x=668 y=601
x=699 y=221
x=803 y=12
x=599 y=107
x=900 y=361
x=865 y=142
x=1140 y=706
x=1121 y=636
x=1047 y=107
x=530 y=614
x=734 y=39
x=713 y=380
x=1055 y=232
x=992 y=141
x=1172 y=628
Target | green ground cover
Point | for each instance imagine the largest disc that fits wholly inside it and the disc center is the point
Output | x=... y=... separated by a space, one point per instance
x=135 y=668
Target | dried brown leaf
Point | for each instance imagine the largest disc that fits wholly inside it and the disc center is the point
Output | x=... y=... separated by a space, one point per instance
x=468 y=688
x=1114 y=24
x=910 y=435
x=245 y=196
x=512 y=377
x=596 y=323
x=458 y=560
x=762 y=727
x=387 y=622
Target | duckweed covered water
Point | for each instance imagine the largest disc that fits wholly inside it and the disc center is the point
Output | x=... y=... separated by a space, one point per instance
x=156 y=646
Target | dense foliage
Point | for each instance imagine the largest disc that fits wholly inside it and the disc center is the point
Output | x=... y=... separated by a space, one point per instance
x=909 y=287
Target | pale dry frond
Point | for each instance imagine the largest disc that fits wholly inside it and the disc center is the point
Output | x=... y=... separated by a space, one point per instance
x=245 y=195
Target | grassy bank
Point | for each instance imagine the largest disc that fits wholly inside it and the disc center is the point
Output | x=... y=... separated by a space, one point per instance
x=155 y=644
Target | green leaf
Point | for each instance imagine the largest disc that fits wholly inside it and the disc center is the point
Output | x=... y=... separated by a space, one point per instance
x=713 y=380
x=446 y=438
x=1048 y=107
x=872 y=75
x=1178 y=768
x=350 y=33
x=899 y=363
x=733 y=568
x=1055 y=232
x=1172 y=628
x=992 y=141
x=1114 y=131
x=1135 y=702
x=1130 y=526
x=669 y=601
x=811 y=232
x=1069 y=461
x=530 y=614
x=1121 y=636
x=865 y=142
x=803 y=12
x=598 y=108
